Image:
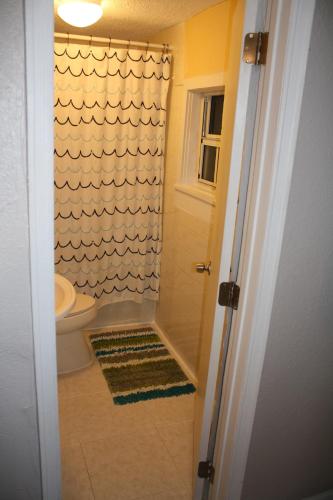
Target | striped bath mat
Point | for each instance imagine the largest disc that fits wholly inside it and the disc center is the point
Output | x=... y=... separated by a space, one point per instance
x=137 y=366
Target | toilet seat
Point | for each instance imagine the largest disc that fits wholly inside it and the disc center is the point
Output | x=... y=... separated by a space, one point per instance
x=82 y=304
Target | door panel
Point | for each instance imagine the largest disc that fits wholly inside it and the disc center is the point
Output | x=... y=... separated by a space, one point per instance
x=240 y=105
x=208 y=343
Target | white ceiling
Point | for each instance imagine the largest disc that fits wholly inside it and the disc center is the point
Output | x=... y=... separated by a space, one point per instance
x=137 y=19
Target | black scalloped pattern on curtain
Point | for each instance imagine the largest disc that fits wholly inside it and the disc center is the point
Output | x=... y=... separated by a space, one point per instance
x=110 y=115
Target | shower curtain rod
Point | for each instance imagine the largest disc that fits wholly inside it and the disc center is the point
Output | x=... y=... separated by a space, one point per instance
x=115 y=41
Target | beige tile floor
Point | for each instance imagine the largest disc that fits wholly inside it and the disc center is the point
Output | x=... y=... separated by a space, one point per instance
x=140 y=451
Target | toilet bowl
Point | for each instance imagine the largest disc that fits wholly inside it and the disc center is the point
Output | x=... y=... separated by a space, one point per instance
x=73 y=351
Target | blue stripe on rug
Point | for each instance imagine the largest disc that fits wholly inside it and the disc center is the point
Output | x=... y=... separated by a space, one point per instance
x=135 y=397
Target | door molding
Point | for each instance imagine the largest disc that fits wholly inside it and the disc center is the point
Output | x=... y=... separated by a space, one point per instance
x=39 y=87
x=242 y=384
x=272 y=166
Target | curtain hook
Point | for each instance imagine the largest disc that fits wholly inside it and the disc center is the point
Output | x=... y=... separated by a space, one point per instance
x=128 y=45
x=67 y=39
x=90 y=41
x=147 y=47
x=110 y=41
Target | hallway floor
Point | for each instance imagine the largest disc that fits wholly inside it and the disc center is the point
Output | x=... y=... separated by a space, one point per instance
x=139 y=451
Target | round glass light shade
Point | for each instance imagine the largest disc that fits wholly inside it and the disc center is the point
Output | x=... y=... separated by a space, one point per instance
x=80 y=13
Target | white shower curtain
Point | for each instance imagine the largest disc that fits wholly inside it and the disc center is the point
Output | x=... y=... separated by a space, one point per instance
x=110 y=113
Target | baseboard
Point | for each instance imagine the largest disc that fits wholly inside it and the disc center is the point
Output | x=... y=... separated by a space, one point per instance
x=180 y=360
x=120 y=326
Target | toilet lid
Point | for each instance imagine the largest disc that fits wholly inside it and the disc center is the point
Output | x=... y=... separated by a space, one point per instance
x=83 y=303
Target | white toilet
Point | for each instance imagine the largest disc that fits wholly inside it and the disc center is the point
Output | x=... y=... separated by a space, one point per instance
x=73 y=351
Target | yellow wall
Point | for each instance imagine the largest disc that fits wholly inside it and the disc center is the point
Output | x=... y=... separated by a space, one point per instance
x=207 y=43
x=202 y=43
x=205 y=33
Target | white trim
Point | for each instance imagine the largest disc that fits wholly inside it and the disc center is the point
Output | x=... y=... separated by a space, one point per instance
x=205 y=83
x=195 y=191
x=173 y=351
x=39 y=84
x=273 y=165
x=193 y=90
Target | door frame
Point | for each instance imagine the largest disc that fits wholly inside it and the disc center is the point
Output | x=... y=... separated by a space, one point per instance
x=39 y=46
x=271 y=175
x=278 y=148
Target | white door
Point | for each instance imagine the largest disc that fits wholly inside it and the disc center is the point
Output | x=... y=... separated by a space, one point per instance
x=241 y=106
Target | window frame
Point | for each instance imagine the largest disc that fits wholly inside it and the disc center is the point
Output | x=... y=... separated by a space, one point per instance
x=187 y=182
x=207 y=139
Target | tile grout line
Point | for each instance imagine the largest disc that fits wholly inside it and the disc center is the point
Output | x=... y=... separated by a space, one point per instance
x=168 y=453
x=87 y=470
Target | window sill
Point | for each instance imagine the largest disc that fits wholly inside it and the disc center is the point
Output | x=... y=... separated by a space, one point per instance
x=199 y=193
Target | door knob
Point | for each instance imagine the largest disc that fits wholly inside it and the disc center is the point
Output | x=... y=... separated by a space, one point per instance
x=201 y=267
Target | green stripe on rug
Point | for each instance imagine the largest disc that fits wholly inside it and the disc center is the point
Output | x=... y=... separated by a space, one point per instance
x=135 y=397
x=129 y=356
x=128 y=340
x=145 y=371
x=127 y=377
x=121 y=332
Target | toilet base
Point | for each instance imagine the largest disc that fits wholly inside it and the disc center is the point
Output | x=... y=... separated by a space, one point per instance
x=73 y=352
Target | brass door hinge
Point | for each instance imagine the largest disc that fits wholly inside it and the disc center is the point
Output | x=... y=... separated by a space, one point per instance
x=255 y=48
x=229 y=294
x=206 y=470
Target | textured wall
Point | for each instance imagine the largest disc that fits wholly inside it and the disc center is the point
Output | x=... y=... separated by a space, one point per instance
x=291 y=451
x=19 y=455
x=138 y=19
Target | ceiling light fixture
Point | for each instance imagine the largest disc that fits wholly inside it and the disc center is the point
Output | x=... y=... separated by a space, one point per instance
x=80 y=13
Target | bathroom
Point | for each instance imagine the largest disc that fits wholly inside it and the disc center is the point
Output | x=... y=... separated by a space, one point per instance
x=140 y=131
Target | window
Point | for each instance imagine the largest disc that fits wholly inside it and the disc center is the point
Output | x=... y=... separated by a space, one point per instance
x=210 y=138
x=203 y=139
